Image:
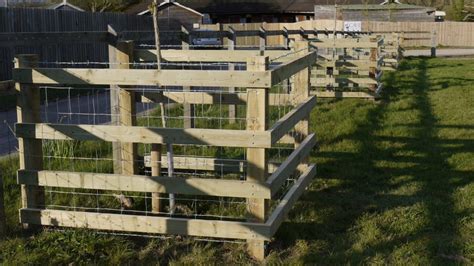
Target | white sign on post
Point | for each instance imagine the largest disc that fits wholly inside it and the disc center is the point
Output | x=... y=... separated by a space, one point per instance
x=352 y=26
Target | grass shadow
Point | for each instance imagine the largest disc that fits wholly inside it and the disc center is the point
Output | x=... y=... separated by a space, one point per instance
x=388 y=190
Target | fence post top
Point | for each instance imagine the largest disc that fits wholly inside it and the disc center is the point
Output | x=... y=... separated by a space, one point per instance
x=25 y=60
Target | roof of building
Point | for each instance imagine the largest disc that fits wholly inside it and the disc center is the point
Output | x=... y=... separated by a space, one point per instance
x=250 y=6
x=392 y=6
x=65 y=3
x=166 y=4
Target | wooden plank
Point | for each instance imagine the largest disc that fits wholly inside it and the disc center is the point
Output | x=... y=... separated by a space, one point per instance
x=285 y=205
x=292 y=67
x=289 y=121
x=289 y=166
x=131 y=77
x=195 y=136
x=196 y=97
x=141 y=183
x=146 y=224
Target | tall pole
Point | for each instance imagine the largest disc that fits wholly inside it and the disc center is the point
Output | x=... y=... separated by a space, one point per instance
x=335 y=22
x=157 y=35
x=334 y=32
x=169 y=146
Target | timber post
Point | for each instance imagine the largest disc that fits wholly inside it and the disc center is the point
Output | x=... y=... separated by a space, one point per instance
x=231 y=42
x=123 y=109
x=188 y=109
x=30 y=150
x=257 y=111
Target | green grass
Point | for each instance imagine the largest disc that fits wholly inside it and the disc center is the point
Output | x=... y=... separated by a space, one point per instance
x=394 y=186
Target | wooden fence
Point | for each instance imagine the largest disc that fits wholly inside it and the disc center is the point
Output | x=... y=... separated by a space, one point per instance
x=457 y=34
x=448 y=33
x=349 y=67
x=30 y=20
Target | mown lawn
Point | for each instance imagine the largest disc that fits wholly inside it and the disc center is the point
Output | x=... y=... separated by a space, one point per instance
x=394 y=186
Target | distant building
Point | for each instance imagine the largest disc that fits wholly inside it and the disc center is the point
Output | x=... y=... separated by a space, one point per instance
x=64 y=5
x=393 y=11
x=171 y=14
x=242 y=11
x=23 y=3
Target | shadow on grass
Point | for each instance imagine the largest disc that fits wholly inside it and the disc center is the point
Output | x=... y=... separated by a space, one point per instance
x=367 y=178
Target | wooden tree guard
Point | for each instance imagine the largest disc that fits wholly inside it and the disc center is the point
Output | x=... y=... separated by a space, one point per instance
x=356 y=77
x=263 y=181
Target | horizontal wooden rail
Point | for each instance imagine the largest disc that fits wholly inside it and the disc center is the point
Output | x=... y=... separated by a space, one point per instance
x=344 y=94
x=141 y=183
x=390 y=60
x=276 y=180
x=194 y=136
x=361 y=81
x=207 y=78
x=209 y=164
x=316 y=72
x=208 y=33
x=292 y=67
x=146 y=224
x=206 y=55
x=288 y=121
x=344 y=43
x=354 y=64
x=197 y=97
x=19 y=38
